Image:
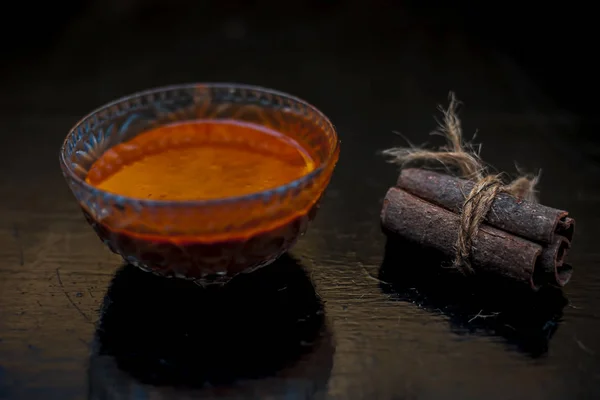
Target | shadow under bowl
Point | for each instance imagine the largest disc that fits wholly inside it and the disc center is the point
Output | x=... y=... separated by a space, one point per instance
x=208 y=241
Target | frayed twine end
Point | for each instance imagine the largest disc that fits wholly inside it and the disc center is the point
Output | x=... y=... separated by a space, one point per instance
x=462 y=157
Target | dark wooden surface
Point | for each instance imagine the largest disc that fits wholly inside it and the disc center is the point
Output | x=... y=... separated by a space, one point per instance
x=317 y=324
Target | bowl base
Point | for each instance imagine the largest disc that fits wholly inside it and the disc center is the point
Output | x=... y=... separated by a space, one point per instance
x=210 y=279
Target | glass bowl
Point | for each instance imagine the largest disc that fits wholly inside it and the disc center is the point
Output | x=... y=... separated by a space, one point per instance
x=208 y=241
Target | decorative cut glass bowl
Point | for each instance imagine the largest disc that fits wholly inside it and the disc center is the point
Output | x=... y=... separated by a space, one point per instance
x=208 y=241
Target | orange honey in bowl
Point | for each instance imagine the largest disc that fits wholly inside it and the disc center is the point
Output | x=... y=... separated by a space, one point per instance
x=200 y=160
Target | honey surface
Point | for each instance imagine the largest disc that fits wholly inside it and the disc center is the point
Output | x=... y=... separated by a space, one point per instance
x=200 y=160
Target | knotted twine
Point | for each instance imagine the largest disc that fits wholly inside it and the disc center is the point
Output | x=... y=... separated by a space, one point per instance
x=463 y=157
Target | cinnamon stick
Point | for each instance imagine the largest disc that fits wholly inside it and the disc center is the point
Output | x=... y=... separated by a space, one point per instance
x=485 y=223
x=552 y=261
x=523 y=218
x=494 y=251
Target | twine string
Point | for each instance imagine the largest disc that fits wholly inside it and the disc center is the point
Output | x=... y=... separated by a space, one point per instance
x=462 y=156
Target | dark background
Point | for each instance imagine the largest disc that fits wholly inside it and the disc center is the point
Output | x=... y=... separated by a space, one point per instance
x=553 y=43
x=75 y=323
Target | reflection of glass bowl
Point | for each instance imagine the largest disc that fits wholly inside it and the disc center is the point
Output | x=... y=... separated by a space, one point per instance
x=262 y=336
x=205 y=240
x=308 y=378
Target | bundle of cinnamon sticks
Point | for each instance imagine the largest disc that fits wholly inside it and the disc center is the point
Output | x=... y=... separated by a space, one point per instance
x=487 y=225
x=519 y=239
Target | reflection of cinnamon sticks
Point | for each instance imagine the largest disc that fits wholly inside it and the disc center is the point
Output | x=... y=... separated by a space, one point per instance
x=519 y=239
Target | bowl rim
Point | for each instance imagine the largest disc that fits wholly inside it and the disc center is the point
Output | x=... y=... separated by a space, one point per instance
x=68 y=171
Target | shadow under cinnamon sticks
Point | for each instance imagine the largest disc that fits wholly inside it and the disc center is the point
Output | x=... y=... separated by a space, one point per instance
x=479 y=304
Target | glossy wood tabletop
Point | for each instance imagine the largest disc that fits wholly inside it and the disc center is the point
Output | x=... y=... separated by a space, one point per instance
x=343 y=316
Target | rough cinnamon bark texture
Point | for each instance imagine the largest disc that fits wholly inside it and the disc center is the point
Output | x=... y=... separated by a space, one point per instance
x=427 y=224
x=523 y=218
